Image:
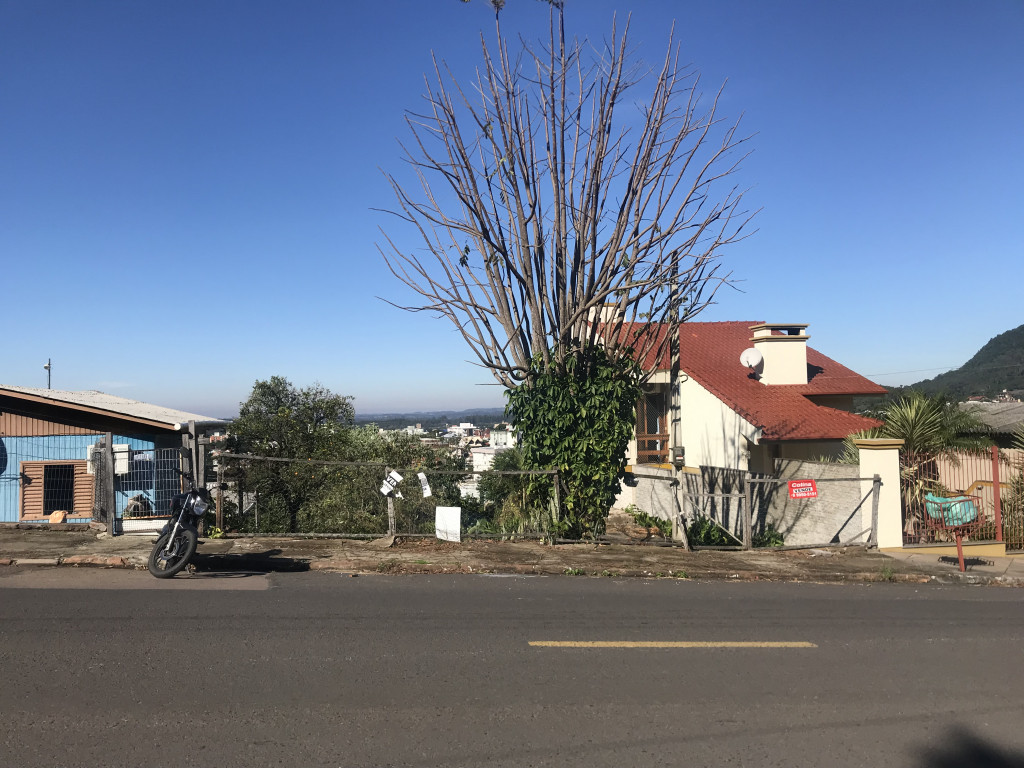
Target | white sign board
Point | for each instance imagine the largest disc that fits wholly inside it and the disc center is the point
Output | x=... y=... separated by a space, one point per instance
x=424 y=485
x=448 y=523
x=390 y=483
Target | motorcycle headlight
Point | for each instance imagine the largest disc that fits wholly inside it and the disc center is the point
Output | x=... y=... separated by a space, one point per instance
x=200 y=507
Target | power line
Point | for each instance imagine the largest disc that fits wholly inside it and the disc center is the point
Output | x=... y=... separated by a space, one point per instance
x=949 y=368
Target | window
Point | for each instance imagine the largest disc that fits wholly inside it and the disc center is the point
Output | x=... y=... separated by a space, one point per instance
x=58 y=488
x=48 y=486
x=652 y=428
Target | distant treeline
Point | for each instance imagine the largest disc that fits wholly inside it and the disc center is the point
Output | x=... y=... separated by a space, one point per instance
x=997 y=366
x=433 y=421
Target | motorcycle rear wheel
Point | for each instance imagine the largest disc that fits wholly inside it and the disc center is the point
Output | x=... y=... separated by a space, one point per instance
x=163 y=564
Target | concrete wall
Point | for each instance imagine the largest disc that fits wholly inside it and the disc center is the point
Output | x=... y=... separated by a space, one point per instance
x=835 y=516
x=657 y=497
x=811 y=450
x=840 y=514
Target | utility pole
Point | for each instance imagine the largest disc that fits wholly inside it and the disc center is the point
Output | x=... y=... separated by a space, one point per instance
x=47 y=369
x=675 y=414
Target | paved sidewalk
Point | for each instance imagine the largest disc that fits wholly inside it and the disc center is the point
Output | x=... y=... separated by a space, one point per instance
x=20 y=547
x=999 y=569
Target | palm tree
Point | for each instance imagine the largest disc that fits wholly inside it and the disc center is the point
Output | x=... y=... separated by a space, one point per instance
x=926 y=425
x=930 y=427
x=931 y=424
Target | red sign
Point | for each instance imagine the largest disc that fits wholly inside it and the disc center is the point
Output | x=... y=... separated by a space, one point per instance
x=803 y=489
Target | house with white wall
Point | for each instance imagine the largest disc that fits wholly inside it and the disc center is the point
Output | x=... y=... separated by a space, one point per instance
x=503 y=436
x=785 y=400
x=482 y=459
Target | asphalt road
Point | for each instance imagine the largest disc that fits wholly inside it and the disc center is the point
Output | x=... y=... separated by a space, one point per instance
x=114 y=668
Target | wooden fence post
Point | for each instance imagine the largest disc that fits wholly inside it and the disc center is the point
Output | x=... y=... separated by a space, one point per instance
x=240 y=490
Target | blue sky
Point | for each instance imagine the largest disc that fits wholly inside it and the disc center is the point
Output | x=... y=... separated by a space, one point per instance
x=186 y=188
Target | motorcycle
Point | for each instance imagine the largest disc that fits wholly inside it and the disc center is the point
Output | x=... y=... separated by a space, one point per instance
x=177 y=541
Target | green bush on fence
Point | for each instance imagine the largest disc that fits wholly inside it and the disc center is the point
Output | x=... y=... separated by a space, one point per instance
x=704 y=532
x=511 y=504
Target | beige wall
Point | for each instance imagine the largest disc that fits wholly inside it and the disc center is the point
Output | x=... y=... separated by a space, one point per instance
x=882 y=457
x=711 y=433
x=785 y=359
x=764 y=456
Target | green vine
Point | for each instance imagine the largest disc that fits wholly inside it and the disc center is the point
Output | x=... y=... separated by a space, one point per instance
x=579 y=418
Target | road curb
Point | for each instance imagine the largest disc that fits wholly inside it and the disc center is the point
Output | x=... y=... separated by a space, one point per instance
x=446 y=562
x=97 y=560
x=36 y=561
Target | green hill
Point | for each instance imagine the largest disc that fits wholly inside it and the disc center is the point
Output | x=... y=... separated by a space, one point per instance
x=996 y=366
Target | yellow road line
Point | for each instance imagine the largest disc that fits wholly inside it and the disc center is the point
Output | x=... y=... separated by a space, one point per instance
x=667 y=644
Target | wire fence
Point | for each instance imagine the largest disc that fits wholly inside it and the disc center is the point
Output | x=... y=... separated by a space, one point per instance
x=262 y=494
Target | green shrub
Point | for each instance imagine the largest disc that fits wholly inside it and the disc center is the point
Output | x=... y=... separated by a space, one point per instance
x=769 y=537
x=703 y=531
x=651 y=523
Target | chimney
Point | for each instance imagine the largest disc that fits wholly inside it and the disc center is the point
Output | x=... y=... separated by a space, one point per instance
x=606 y=313
x=783 y=346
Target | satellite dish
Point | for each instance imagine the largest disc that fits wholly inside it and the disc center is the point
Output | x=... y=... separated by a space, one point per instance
x=751 y=358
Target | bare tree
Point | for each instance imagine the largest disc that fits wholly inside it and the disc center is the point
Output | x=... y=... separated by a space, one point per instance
x=553 y=215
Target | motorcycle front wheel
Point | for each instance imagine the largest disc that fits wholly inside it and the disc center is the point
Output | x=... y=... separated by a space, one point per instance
x=166 y=561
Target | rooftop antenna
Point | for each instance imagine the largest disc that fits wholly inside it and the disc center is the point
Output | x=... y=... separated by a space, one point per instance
x=47 y=369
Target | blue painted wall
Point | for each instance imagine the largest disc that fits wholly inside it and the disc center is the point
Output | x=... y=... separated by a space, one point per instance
x=142 y=480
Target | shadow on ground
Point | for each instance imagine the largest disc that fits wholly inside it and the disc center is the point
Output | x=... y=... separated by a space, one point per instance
x=968 y=561
x=249 y=563
x=963 y=748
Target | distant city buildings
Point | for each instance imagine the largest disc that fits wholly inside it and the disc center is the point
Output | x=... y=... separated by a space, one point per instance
x=481 y=460
x=478 y=445
x=502 y=436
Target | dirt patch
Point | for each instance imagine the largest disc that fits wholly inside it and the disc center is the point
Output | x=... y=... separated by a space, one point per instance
x=428 y=555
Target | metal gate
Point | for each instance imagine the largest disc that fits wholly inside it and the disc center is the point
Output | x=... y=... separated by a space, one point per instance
x=1011 y=480
x=991 y=479
x=144 y=482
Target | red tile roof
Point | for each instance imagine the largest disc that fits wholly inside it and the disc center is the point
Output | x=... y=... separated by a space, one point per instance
x=710 y=354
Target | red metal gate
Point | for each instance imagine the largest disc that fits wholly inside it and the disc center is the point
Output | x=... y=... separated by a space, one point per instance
x=993 y=481
x=1011 y=475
